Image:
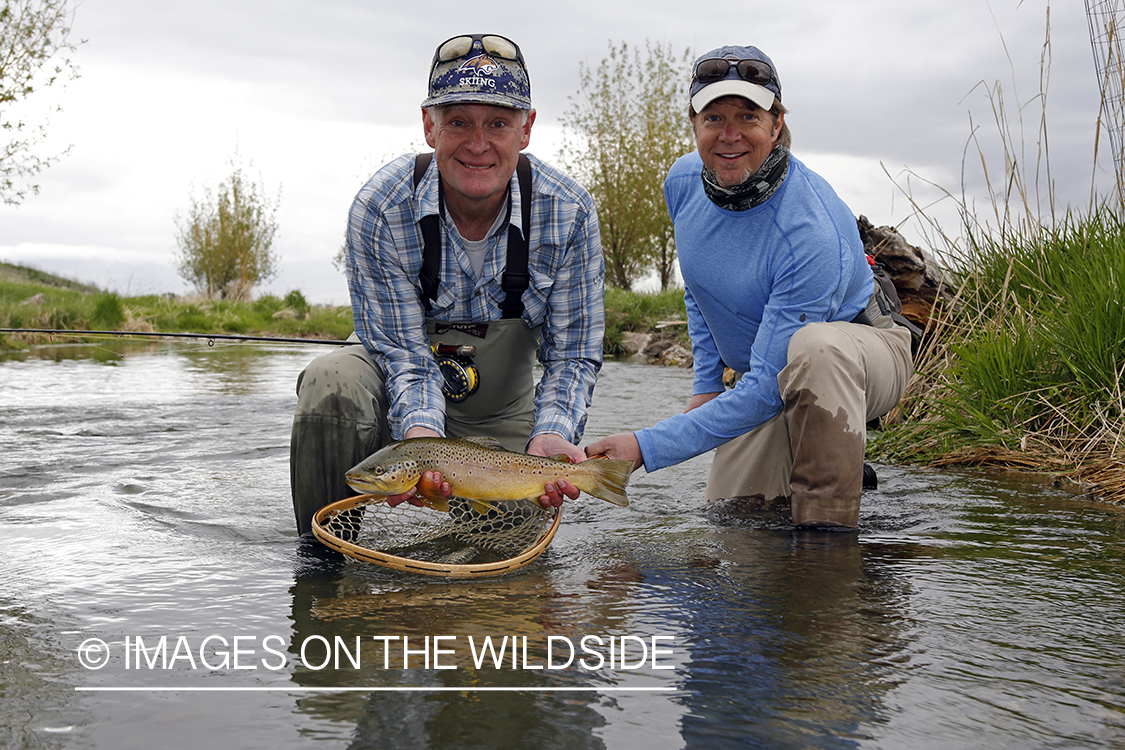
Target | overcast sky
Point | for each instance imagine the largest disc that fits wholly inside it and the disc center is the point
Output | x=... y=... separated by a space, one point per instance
x=315 y=95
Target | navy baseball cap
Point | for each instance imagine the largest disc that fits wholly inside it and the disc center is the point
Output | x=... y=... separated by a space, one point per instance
x=734 y=71
x=479 y=69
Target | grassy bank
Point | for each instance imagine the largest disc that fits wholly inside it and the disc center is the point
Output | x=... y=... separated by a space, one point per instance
x=641 y=312
x=1025 y=367
x=33 y=299
x=30 y=298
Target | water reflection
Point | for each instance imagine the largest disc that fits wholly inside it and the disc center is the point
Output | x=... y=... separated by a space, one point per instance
x=329 y=597
x=147 y=494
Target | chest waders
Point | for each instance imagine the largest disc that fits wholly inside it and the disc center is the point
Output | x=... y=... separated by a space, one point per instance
x=503 y=407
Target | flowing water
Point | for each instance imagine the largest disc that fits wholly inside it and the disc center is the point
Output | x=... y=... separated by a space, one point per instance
x=153 y=593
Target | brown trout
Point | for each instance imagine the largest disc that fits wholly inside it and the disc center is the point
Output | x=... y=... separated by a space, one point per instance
x=482 y=472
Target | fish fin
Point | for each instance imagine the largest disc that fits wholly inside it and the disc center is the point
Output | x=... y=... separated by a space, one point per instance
x=486 y=442
x=609 y=480
x=437 y=503
x=561 y=457
x=431 y=495
x=480 y=506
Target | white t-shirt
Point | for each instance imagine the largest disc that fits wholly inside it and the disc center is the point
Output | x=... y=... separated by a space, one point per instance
x=478 y=249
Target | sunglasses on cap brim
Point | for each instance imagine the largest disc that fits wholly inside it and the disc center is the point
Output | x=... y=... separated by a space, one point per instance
x=459 y=46
x=716 y=69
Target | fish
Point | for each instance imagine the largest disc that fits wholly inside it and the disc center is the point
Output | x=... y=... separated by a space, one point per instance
x=481 y=471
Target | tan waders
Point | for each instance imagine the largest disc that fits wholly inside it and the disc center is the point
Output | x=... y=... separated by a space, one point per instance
x=341 y=415
x=839 y=376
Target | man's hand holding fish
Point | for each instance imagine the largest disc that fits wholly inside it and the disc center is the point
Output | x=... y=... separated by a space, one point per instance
x=429 y=471
x=431 y=485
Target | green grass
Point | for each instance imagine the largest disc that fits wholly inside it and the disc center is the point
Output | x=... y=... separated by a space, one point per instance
x=69 y=305
x=1028 y=365
x=30 y=298
x=1024 y=368
x=640 y=311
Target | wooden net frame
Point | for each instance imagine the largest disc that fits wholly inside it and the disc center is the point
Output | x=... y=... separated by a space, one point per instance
x=459 y=544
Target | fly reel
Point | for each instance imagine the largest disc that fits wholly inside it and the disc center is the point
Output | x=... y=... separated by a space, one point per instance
x=456 y=364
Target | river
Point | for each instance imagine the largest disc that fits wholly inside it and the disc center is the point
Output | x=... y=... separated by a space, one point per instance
x=153 y=593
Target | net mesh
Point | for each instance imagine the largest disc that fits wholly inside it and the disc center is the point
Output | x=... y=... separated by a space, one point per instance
x=462 y=536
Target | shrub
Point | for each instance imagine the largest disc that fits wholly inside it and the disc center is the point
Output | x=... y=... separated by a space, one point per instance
x=109 y=312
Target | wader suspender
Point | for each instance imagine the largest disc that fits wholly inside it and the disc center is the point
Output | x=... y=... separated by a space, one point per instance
x=515 y=279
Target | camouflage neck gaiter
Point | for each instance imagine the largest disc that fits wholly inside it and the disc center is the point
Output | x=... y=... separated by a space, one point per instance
x=757 y=188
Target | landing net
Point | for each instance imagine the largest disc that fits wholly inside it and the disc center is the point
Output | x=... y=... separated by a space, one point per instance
x=459 y=544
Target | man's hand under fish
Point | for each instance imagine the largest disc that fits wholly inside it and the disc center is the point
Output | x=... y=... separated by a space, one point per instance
x=430 y=484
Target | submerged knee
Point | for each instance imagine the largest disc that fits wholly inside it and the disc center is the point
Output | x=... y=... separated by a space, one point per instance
x=341 y=383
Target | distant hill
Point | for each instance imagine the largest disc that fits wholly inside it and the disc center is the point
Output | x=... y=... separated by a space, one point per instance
x=24 y=274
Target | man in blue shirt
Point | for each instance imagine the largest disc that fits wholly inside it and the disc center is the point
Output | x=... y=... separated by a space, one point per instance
x=779 y=289
x=476 y=246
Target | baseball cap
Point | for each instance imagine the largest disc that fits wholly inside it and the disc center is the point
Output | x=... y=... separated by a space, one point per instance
x=734 y=71
x=479 y=69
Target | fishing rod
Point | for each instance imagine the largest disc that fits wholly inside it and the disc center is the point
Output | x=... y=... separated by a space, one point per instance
x=456 y=362
x=211 y=337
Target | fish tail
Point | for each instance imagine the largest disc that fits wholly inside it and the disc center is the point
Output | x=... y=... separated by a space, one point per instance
x=609 y=477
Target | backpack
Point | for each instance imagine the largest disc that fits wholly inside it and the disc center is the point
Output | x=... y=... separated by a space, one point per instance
x=885 y=303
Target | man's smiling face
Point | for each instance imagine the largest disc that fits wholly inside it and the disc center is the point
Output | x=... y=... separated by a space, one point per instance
x=734 y=136
x=476 y=147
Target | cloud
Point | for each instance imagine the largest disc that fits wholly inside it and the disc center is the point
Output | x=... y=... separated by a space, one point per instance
x=316 y=97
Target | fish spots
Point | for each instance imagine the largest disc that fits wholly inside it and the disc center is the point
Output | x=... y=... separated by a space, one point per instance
x=476 y=471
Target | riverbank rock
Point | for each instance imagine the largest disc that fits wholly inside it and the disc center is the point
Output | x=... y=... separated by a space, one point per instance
x=916 y=274
x=663 y=347
x=634 y=342
x=676 y=356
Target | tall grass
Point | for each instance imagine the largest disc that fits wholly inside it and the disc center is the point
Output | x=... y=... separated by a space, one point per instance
x=1023 y=368
x=1036 y=339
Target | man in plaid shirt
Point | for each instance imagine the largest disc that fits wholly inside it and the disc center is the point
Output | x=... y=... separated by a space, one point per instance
x=517 y=285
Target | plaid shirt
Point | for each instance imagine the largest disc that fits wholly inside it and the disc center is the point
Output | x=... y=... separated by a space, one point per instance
x=566 y=293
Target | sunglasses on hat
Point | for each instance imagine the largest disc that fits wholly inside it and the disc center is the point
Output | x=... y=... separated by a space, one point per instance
x=716 y=69
x=493 y=44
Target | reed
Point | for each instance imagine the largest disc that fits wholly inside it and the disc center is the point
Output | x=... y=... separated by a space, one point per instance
x=1023 y=368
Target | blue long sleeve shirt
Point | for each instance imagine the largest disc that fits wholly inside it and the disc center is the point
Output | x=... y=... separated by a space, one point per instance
x=565 y=295
x=752 y=279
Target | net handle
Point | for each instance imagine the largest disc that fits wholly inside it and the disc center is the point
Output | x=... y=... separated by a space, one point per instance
x=405 y=564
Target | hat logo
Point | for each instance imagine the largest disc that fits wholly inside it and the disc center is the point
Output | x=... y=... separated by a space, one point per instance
x=482 y=64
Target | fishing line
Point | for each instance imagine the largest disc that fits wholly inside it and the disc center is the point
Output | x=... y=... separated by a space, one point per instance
x=210 y=337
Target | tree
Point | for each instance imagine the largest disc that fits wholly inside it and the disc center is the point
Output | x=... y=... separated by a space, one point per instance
x=623 y=131
x=226 y=238
x=34 y=55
